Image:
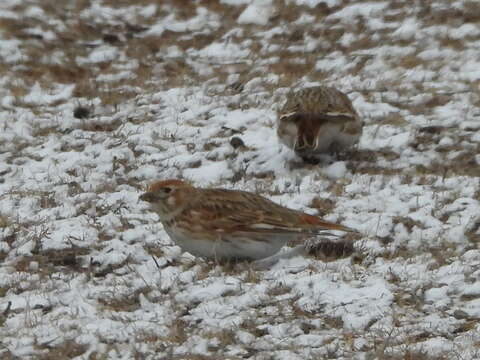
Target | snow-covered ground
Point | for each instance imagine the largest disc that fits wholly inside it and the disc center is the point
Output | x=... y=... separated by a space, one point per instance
x=99 y=98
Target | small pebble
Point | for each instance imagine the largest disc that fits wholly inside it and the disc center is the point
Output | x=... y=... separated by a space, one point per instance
x=81 y=112
x=236 y=142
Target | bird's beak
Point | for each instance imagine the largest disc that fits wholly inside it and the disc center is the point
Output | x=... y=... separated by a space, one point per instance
x=148 y=196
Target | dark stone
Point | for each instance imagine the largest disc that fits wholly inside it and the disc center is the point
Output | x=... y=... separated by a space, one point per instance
x=236 y=142
x=111 y=38
x=81 y=112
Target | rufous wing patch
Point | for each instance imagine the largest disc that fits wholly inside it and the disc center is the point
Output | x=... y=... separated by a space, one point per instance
x=316 y=221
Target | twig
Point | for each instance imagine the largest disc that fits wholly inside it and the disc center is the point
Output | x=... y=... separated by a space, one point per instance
x=7 y=310
x=156 y=262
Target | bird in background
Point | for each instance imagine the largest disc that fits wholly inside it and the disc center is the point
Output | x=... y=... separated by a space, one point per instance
x=226 y=224
x=318 y=120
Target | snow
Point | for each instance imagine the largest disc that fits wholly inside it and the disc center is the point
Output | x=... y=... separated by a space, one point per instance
x=235 y=2
x=336 y=170
x=464 y=31
x=314 y=3
x=9 y=51
x=407 y=30
x=103 y=53
x=202 y=20
x=223 y=51
x=258 y=12
x=365 y=9
x=85 y=263
x=209 y=173
x=38 y=96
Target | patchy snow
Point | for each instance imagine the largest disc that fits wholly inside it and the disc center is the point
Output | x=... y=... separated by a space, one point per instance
x=314 y=3
x=336 y=170
x=365 y=9
x=9 y=51
x=407 y=30
x=235 y=2
x=101 y=54
x=100 y=99
x=258 y=12
x=38 y=96
x=203 y=20
x=223 y=51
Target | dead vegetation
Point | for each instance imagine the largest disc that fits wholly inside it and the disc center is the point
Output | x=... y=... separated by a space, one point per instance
x=66 y=350
x=142 y=64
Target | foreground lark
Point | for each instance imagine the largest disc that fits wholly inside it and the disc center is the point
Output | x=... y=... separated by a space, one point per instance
x=318 y=120
x=229 y=224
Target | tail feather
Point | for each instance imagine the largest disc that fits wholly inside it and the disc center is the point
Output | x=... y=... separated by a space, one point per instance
x=319 y=225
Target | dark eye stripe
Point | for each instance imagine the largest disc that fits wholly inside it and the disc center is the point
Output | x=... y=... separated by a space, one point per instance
x=167 y=190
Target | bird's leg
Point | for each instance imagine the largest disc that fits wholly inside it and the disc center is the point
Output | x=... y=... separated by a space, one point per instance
x=306 y=142
x=316 y=143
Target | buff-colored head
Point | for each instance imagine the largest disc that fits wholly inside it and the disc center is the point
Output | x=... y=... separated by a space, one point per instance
x=168 y=197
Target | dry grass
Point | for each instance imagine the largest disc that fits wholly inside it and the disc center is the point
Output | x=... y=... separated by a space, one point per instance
x=46 y=261
x=154 y=70
x=67 y=350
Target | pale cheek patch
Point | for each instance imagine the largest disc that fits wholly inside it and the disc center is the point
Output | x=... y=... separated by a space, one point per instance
x=171 y=201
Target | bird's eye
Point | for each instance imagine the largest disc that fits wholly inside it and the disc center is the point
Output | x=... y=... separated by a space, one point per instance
x=167 y=190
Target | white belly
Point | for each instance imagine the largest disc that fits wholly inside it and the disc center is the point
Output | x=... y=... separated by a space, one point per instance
x=331 y=135
x=241 y=248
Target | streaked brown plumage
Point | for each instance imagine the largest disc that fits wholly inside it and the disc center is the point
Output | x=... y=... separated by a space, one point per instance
x=318 y=120
x=226 y=224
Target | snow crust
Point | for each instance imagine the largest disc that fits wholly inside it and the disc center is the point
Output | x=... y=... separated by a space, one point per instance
x=70 y=184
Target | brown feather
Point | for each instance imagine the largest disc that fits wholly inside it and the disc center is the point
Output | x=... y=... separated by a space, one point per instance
x=319 y=102
x=239 y=211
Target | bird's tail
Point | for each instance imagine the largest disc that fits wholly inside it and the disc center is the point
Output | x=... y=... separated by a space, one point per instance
x=319 y=225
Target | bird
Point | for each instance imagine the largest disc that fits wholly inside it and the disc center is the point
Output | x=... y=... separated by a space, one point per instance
x=318 y=120
x=223 y=224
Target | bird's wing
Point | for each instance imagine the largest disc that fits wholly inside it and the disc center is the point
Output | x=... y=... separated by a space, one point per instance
x=320 y=102
x=338 y=106
x=221 y=210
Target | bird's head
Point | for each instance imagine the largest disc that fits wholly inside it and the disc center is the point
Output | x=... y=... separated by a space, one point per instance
x=168 y=197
